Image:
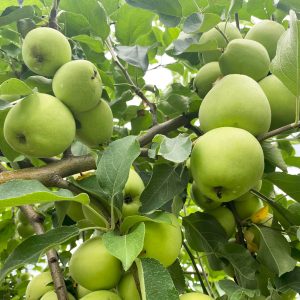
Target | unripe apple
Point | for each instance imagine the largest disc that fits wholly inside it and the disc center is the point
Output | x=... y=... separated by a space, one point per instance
x=236 y=101
x=267 y=33
x=163 y=240
x=282 y=101
x=230 y=31
x=245 y=209
x=25 y=230
x=226 y=219
x=74 y=211
x=43 y=84
x=195 y=296
x=102 y=295
x=206 y=77
x=81 y=291
x=245 y=57
x=78 y=85
x=39 y=126
x=248 y=195
x=38 y=286
x=52 y=296
x=45 y=50
x=93 y=267
x=132 y=191
x=220 y=163
x=127 y=288
x=95 y=127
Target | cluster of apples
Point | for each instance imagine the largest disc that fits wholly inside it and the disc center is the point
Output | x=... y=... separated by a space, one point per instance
x=45 y=124
x=240 y=102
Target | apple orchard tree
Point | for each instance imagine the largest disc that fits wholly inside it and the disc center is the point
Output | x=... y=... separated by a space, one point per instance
x=190 y=192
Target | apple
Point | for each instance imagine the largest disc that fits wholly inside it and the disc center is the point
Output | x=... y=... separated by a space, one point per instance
x=282 y=101
x=202 y=201
x=25 y=230
x=45 y=50
x=236 y=101
x=38 y=286
x=39 y=126
x=52 y=296
x=74 y=211
x=230 y=31
x=245 y=209
x=78 y=85
x=132 y=191
x=93 y=267
x=245 y=57
x=267 y=33
x=127 y=288
x=10 y=98
x=195 y=296
x=220 y=163
x=248 y=195
x=206 y=77
x=226 y=219
x=188 y=166
x=252 y=238
x=43 y=84
x=101 y=295
x=81 y=291
x=95 y=127
x=163 y=240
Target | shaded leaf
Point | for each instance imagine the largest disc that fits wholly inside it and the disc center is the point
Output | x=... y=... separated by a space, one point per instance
x=290 y=280
x=15 y=86
x=16 y=14
x=273 y=154
x=198 y=22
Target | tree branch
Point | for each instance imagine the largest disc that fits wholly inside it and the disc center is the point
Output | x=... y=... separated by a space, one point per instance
x=53 y=15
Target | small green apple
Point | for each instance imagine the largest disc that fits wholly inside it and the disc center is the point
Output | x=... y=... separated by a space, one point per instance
x=267 y=33
x=248 y=195
x=38 y=286
x=74 y=211
x=245 y=209
x=195 y=296
x=220 y=163
x=206 y=77
x=236 y=101
x=43 y=84
x=52 y=296
x=93 y=267
x=78 y=85
x=25 y=230
x=45 y=50
x=163 y=240
x=101 y=295
x=95 y=127
x=127 y=288
x=81 y=291
x=39 y=126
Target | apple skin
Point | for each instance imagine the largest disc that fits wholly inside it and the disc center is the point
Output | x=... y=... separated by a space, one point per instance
x=101 y=295
x=95 y=127
x=245 y=209
x=245 y=57
x=236 y=101
x=220 y=163
x=132 y=191
x=226 y=219
x=202 y=201
x=81 y=291
x=195 y=296
x=38 y=286
x=39 y=126
x=43 y=84
x=267 y=33
x=52 y=296
x=93 y=267
x=45 y=50
x=163 y=240
x=248 y=195
x=78 y=85
x=74 y=211
x=25 y=230
x=231 y=33
x=127 y=288
x=206 y=77
x=282 y=101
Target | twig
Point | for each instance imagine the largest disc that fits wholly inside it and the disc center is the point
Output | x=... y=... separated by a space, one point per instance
x=237 y=21
x=53 y=15
x=223 y=34
x=195 y=129
x=36 y=221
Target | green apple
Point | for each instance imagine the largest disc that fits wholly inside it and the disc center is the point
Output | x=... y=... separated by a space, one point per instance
x=38 y=286
x=127 y=288
x=202 y=201
x=95 y=127
x=101 y=295
x=93 y=267
x=245 y=209
x=78 y=85
x=39 y=126
x=195 y=296
x=45 y=50
x=132 y=191
x=206 y=77
x=52 y=296
x=25 y=230
x=81 y=291
x=267 y=33
x=236 y=101
x=226 y=219
x=163 y=240
x=188 y=166
x=43 y=84
x=248 y=195
x=220 y=163
x=282 y=101
x=245 y=57
x=231 y=33
x=252 y=239
x=10 y=98
x=74 y=211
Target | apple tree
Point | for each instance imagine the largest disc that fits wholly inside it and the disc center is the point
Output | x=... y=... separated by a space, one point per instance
x=149 y=150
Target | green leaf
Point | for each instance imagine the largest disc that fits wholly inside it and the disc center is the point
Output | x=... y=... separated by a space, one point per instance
x=156 y=282
x=127 y=247
x=29 y=251
x=15 y=86
x=235 y=292
x=286 y=64
x=289 y=4
x=198 y=22
x=15 y=13
x=177 y=275
x=21 y=192
x=274 y=251
x=290 y=280
x=166 y=182
x=273 y=154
